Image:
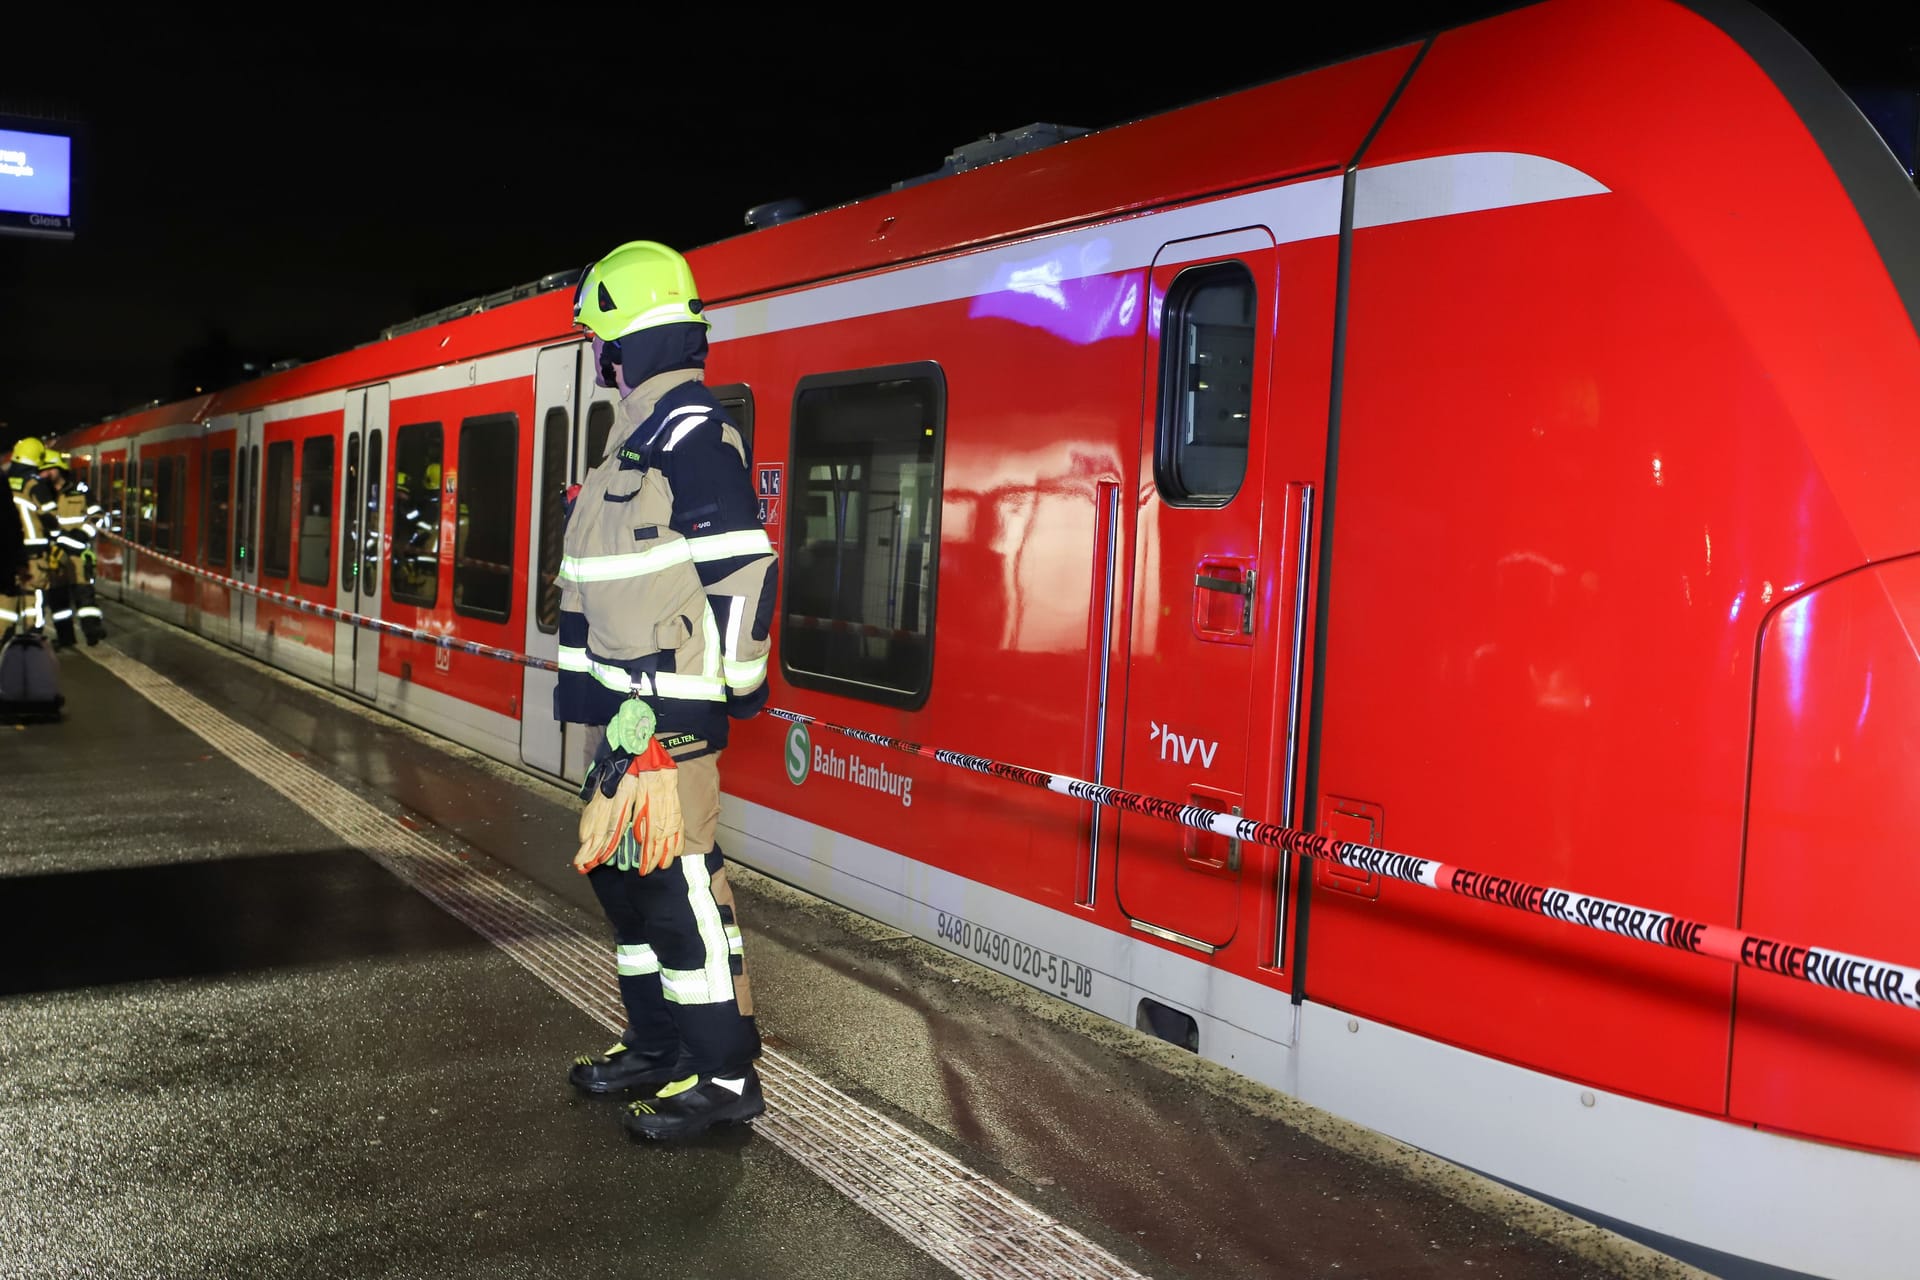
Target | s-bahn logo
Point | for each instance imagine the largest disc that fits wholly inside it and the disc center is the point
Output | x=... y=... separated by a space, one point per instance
x=803 y=760
x=799 y=753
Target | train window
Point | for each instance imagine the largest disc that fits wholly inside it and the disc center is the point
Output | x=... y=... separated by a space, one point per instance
x=483 y=531
x=863 y=533
x=276 y=526
x=117 y=495
x=599 y=425
x=1206 y=381
x=176 y=500
x=370 y=535
x=737 y=399
x=168 y=516
x=316 y=510
x=219 y=506
x=553 y=497
x=350 y=514
x=416 y=514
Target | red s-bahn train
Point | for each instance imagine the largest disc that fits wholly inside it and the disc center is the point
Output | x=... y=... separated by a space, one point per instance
x=1500 y=447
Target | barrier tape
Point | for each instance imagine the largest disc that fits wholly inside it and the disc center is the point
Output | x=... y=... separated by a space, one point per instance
x=1818 y=966
x=339 y=615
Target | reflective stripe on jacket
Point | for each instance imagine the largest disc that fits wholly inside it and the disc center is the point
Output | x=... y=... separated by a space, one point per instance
x=33 y=529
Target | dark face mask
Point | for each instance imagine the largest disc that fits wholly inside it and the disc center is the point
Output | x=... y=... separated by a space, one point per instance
x=606 y=362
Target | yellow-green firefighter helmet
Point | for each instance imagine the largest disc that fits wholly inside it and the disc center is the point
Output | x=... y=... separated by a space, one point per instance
x=30 y=450
x=640 y=285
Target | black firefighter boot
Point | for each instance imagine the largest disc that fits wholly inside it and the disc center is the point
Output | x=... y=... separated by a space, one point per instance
x=620 y=1069
x=694 y=1105
x=91 y=623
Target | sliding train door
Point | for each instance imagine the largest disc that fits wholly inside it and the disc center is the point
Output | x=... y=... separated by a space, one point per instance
x=1213 y=546
x=544 y=740
x=356 y=649
x=246 y=524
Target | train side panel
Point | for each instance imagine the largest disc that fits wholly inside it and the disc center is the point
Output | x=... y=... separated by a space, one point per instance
x=1052 y=380
x=1035 y=419
x=299 y=454
x=459 y=475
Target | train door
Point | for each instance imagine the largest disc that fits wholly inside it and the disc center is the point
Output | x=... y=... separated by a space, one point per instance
x=555 y=392
x=131 y=524
x=218 y=508
x=112 y=490
x=356 y=649
x=246 y=525
x=1201 y=578
x=574 y=416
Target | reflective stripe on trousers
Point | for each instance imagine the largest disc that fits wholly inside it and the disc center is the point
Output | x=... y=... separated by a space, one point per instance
x=635 y=961
x=712 y=984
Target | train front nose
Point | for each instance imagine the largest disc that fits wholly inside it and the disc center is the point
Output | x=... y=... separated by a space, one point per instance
x=1832 y=859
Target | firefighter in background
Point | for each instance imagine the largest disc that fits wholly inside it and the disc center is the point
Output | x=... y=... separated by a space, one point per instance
x=13 y=555
x=23 y=598
x=70 y=558
x=100 y=519
x=416 y=540
x=667 y=594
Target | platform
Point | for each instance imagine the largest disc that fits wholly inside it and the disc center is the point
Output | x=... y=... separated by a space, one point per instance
x=288 y=988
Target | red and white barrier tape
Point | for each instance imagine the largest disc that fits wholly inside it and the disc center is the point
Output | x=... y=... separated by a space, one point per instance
x=1819 y=966
x=339 y=615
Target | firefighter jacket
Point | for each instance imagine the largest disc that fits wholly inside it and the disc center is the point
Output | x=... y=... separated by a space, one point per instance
x=73 y=530
x=33 y=510
x=21 y=597
x=667 y=580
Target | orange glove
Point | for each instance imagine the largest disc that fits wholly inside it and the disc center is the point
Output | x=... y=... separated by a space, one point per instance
x=658 y=834
x=604 y=822
x=639 y=826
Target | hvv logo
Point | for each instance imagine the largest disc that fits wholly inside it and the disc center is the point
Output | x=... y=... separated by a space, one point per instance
x=1174 y=747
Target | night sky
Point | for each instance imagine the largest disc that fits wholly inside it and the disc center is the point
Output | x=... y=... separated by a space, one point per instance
x=271 y=189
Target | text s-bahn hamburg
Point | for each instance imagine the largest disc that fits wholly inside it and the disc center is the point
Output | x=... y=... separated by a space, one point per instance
x=1498 y=448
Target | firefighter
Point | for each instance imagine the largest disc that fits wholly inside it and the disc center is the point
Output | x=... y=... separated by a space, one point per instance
x=667 y=593
x=70 y=559
x=416 y=540
x=97 y=522
x=23 y=604
x=13 y=555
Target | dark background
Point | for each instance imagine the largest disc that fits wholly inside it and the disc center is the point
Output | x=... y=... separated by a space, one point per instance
x=284 y=184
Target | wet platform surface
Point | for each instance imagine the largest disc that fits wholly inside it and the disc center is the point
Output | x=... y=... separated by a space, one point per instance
x=235 y=1041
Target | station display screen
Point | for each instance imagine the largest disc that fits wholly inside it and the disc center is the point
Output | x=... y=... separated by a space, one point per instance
x=36 y=183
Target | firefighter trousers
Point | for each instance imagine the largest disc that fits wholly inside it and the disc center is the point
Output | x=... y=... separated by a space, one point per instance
x=65 y=601
x=677 y=944
x=22 y=610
